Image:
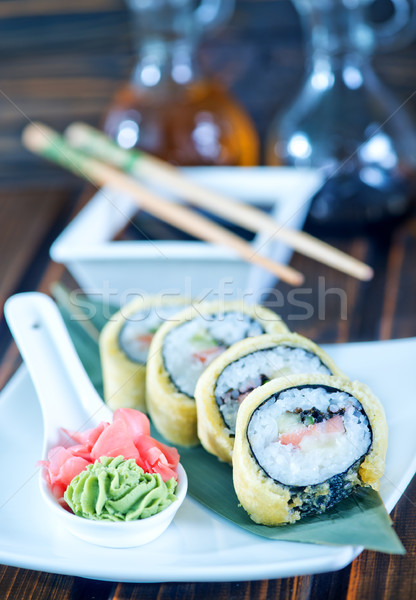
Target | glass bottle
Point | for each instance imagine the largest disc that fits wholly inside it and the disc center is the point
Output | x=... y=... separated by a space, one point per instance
x=345 y=122
x=170 y=108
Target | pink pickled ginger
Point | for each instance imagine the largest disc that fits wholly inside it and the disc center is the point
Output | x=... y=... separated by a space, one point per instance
x=128 y=435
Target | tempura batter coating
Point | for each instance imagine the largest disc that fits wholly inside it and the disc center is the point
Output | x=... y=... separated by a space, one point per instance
x=271 y=503
x=172 y=411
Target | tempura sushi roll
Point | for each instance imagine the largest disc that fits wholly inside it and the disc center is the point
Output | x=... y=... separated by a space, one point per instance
x=124 y=345
x=303 y=445
x=243 y=367
x=182 y=350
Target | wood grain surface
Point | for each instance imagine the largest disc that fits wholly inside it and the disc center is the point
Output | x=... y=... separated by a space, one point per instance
x=63 y=61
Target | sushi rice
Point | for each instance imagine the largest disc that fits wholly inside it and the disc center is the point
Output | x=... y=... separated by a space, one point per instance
x=181 y=351
x=247 y=373
x=139 y=329
x=200 y=341
x=300 y=461
x=305 y=442
x=245 y=366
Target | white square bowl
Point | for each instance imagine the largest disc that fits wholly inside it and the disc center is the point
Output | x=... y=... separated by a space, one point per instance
x=122 y=269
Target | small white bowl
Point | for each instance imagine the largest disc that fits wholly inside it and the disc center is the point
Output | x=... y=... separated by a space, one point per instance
x=125 y=268
x=123 y=534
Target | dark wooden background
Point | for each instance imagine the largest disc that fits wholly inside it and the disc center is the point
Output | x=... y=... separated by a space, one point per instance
x=62 y=60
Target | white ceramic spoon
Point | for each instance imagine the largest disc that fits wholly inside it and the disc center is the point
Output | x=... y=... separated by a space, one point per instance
x=68 y=399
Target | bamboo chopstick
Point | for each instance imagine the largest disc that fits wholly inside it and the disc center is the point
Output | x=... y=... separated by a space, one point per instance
x=150 y=168
x=45 y=141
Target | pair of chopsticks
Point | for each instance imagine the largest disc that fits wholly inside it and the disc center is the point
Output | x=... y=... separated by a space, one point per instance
x=90 y=154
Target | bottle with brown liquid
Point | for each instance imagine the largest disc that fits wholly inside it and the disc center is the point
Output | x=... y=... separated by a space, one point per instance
x=169 y=107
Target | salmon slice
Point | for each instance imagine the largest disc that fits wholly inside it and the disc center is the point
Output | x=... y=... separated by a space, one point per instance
x=333 y=425
x=208 y=355
x=145 y=339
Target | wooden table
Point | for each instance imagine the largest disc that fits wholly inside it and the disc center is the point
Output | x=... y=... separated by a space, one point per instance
x=55 y=72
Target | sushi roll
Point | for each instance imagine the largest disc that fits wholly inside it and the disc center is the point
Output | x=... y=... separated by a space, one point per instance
x=182 y=350
x=124 y=345
x=303 y=443
x=243 y=367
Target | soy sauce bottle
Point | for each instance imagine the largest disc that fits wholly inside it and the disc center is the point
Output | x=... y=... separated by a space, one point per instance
x=346 y=123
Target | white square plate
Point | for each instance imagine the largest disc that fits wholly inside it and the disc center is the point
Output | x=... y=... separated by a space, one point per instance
x=199 y=545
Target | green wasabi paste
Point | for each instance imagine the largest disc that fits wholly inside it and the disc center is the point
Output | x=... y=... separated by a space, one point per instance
x=115 y=489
